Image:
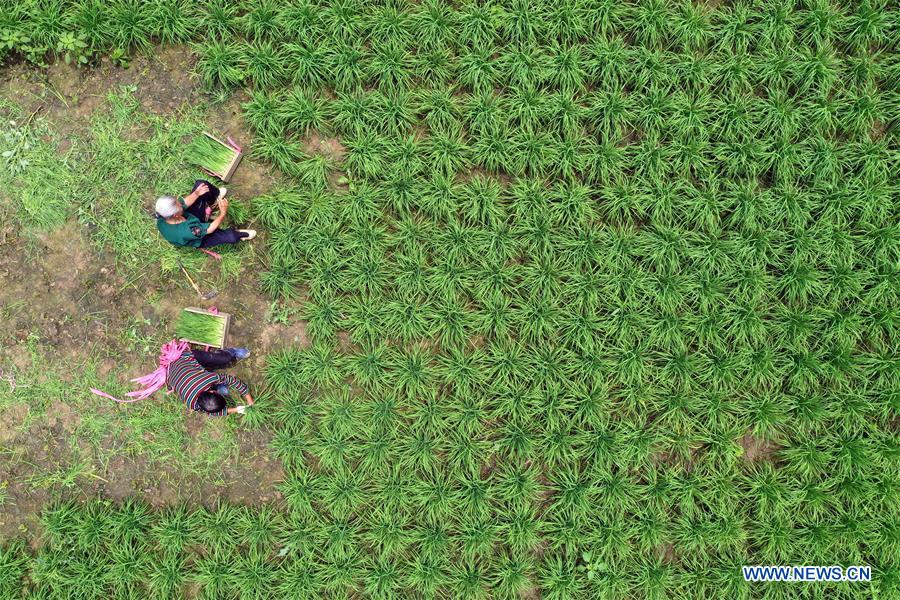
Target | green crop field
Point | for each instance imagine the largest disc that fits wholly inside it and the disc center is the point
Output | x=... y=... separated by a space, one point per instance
x=602 y=299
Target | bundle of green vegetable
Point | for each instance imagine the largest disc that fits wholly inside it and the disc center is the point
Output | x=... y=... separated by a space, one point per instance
x=201 y=328
x=210 y=154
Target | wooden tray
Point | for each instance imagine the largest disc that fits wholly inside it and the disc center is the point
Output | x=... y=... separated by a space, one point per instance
x=203 y=311
x=235 y=161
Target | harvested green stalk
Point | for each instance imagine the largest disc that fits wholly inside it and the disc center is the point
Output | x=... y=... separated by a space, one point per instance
x=201 y=328
x=211 y=154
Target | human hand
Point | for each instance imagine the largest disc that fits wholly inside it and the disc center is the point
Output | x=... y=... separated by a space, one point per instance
x=240 y=409
x=201 y=189
x=249 y=399
x=223 y=205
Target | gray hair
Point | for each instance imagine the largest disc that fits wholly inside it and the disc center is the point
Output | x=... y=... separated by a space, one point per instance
x=166 y=206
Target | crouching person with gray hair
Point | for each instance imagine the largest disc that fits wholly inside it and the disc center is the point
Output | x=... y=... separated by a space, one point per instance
x=186 y=221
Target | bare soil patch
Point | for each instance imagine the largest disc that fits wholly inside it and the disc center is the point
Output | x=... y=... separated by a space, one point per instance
x=756 y=449
x=59 y=294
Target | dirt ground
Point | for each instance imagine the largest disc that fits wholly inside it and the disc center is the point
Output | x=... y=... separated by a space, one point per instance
x=59 y=293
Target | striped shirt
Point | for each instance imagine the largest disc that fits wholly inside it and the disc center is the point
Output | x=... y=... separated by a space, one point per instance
x=188 y=379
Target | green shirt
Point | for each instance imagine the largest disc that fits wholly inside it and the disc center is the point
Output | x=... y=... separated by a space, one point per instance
x=190 y=232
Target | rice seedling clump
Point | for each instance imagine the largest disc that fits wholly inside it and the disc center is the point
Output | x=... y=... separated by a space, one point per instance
x=600 y=297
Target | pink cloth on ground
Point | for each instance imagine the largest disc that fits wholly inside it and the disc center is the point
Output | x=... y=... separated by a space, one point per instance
x=169 y=353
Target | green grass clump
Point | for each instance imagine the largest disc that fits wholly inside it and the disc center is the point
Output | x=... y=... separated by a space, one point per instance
x=13 y=566
x=209 y=154
x=200 y=328
x=220 y=64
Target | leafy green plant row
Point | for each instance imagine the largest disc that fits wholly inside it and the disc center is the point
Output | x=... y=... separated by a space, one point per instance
x=482 y=209
x=484 y=240
x=765 y=385
x=717 y=229
x=653 y=345
x=662 y=115
x=438 y=24
x=343 y=67
x=642 y=176
x=344 y=43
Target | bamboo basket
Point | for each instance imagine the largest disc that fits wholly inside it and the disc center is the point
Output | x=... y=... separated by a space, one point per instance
x=222 y=315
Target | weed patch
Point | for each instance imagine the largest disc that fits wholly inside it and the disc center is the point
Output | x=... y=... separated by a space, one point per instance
x=108 y=180
x=34 y=175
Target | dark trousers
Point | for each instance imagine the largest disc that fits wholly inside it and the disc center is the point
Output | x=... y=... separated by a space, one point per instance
x=198 y=209
x=214 y=359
